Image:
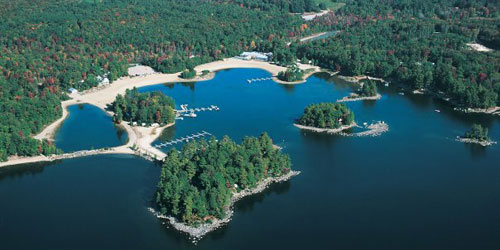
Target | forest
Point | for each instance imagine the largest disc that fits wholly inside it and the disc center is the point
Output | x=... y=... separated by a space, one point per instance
x=417 y=44
x=197 y=183
x=49 y=46
x=326 y=115
x=143 y=108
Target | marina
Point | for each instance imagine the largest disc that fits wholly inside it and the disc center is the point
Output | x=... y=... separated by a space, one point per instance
x=183 y=139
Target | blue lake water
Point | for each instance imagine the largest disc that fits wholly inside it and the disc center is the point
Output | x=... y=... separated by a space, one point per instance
x=413 y=187
x=88 y=127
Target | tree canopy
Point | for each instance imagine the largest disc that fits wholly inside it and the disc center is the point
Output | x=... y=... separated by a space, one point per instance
x=326 y=115
x=197 y=183
x=144 y=108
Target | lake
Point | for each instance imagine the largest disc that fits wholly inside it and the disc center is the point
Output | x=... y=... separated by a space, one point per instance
x=413 y=187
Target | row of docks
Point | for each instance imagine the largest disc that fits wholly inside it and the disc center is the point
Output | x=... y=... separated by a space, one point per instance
x=259 y=79
x=185 y=111
x=183 y=139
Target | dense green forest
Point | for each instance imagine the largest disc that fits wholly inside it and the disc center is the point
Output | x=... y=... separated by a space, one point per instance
x=294 y=6
x=49 y=46
x=326 y=115
x=419 y=44
x=197 y=183
x=477 y=132
x=147 y=108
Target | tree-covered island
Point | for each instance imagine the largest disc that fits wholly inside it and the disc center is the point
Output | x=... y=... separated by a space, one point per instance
x=368 y=91
x=199 y=183
x=326 y=117
x=147 y=108
x=477 y=134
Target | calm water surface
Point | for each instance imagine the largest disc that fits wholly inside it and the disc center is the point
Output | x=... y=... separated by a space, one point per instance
x=88 y=127
x=414 y=187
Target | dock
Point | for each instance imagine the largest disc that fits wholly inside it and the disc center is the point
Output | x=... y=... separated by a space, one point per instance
x=183 y=139
x=259 y=79
x=190 y=112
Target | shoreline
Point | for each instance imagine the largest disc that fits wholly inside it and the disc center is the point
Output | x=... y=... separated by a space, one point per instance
x=475 y=141
x=357 y=79
x=200 y=231
x=104 y=95
x=327 y=130
x=369 y=98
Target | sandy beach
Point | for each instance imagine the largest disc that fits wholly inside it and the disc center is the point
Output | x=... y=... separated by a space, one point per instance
x=142 y=137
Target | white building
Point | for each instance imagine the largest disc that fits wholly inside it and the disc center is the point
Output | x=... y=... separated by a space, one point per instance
x=265 y=57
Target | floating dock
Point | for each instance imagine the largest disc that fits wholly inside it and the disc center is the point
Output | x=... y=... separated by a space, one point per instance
x=185 y=111
x=259 y=79
x=183 y=139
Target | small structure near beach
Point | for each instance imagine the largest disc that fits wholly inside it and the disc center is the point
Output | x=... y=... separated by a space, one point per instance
x=253 y=55
x=72 y=90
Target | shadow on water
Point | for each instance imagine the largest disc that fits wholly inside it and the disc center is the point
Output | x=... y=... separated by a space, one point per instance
x=476 y=151
x=462 y=117
x=22 y=170
x=289 y=88
x=190 y=85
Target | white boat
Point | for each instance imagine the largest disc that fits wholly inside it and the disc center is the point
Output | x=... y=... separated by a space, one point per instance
x=192 y=115
x=437 y=110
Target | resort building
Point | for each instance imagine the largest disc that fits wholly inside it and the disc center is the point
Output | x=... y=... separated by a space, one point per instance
x=265 y=57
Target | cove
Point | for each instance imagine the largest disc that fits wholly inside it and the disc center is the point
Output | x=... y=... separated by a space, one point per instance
x=413 y=187
x=88 y=127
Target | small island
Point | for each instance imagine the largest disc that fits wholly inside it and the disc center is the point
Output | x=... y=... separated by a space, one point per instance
x=326 y=117
x=368 y=91
x=143 y=108
x=478 y=135
x=199 y=184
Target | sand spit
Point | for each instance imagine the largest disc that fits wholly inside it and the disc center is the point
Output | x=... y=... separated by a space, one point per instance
x=476 y=141
x=374 y=129
x=355 y=97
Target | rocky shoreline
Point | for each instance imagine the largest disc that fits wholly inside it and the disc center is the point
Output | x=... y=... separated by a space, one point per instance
x=357 y=79
x=200 y=231
x=476 y=141
x=491 y=111
x=327 y=130
x=354 y=97
x=374 y=129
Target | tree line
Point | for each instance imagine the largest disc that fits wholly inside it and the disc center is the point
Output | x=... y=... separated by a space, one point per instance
x=49 y=46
